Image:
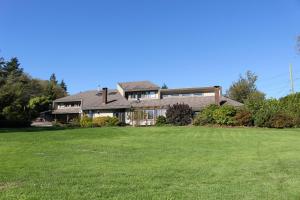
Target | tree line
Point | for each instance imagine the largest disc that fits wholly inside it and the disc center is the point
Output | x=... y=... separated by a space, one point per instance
x=23 y=97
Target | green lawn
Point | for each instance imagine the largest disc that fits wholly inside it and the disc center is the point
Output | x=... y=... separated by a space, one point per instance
x=150 y=163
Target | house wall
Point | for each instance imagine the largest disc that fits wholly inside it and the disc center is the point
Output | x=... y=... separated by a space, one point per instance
x=140 y=117
x=119 y=113
x=120 y=89
x=209 y=94
x=103 y=114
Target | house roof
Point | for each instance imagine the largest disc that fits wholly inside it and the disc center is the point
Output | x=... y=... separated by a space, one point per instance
x=138 y=86
x=93 y=100
x=196 y=103
x=189 y=90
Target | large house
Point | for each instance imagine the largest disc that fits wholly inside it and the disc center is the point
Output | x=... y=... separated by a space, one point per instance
x=136 y=103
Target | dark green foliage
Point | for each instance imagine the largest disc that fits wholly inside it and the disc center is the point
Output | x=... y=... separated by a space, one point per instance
x=254 y=102
x=281 y=120
x=161 y=121
x=54 y=90
x=38 y=105
x=63 y=85
x=291 y=104
x=205 y=116
x=244 y=117
x=179 y=114
x=268 y=109
x=164 y=86
x=22 y=97
x=53 y=79
x=224 y=115
x=243 y=88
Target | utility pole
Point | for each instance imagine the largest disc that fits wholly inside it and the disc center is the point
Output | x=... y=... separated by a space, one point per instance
x=292 y=79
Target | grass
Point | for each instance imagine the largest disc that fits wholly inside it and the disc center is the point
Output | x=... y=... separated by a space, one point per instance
x=150 y=163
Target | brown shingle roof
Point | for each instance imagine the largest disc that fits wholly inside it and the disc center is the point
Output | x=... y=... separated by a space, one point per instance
x=138 y=86
x=93 y=100
x=197 y=103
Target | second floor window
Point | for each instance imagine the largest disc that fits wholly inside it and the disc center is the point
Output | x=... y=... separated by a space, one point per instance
x=142 y=95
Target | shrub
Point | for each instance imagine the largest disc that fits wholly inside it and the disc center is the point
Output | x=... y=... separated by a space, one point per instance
x=205 y=116
x=57 y=124
x=113 y=121
x=179 y=114
x=100 y=121
x=161 y=120
x=106 y=121
x=296 y=121
x=86 y=122
x=291 y=105
x=254 y=101
x=281 y=120
x=75 y=122
x=244 y=117
x=266 y=111
x=224 y=115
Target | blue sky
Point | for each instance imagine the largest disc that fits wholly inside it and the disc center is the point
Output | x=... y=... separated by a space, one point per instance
x=183 y=43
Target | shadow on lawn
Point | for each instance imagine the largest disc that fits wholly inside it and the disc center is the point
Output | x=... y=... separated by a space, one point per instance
x=32 y=129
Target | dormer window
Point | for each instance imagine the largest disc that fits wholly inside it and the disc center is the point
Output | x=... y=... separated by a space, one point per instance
x=142 y=95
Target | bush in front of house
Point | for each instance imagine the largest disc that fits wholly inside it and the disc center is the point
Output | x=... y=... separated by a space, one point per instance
x=205 y=116
x=179 y=114
x=244 y=117
x=281 y=120
x=106 y=121
x=161 y=121
x=86 y=122
x=75 y=122
x=224 y=115
x=268 y=109
x=113 y=121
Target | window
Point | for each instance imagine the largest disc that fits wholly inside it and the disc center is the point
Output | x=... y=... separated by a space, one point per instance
x=150 y=114
x=198 y=94
x=186 y=95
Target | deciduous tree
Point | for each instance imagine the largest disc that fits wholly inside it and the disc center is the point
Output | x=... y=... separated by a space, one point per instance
x=244 y=87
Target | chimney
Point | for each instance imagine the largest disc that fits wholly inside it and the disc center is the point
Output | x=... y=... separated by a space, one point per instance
x=218 y=94
x=104 y=95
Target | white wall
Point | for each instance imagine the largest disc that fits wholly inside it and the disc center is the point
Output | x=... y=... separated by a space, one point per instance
x=209 y=94
x=102 y=114
x=120 y=90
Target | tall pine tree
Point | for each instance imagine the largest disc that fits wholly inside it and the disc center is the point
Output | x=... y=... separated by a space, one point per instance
x=63 y=85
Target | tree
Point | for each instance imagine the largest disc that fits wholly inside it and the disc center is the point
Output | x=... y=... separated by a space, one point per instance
x=38 y=104
x=14 y=96
x=164 y=86
x=12 y=67
x=243 y=88
x=53 y=79
x=2 y=64
x=22 y=98
x=54 y=90
x=63 y=85
x=179 y=114
x=254 y=101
